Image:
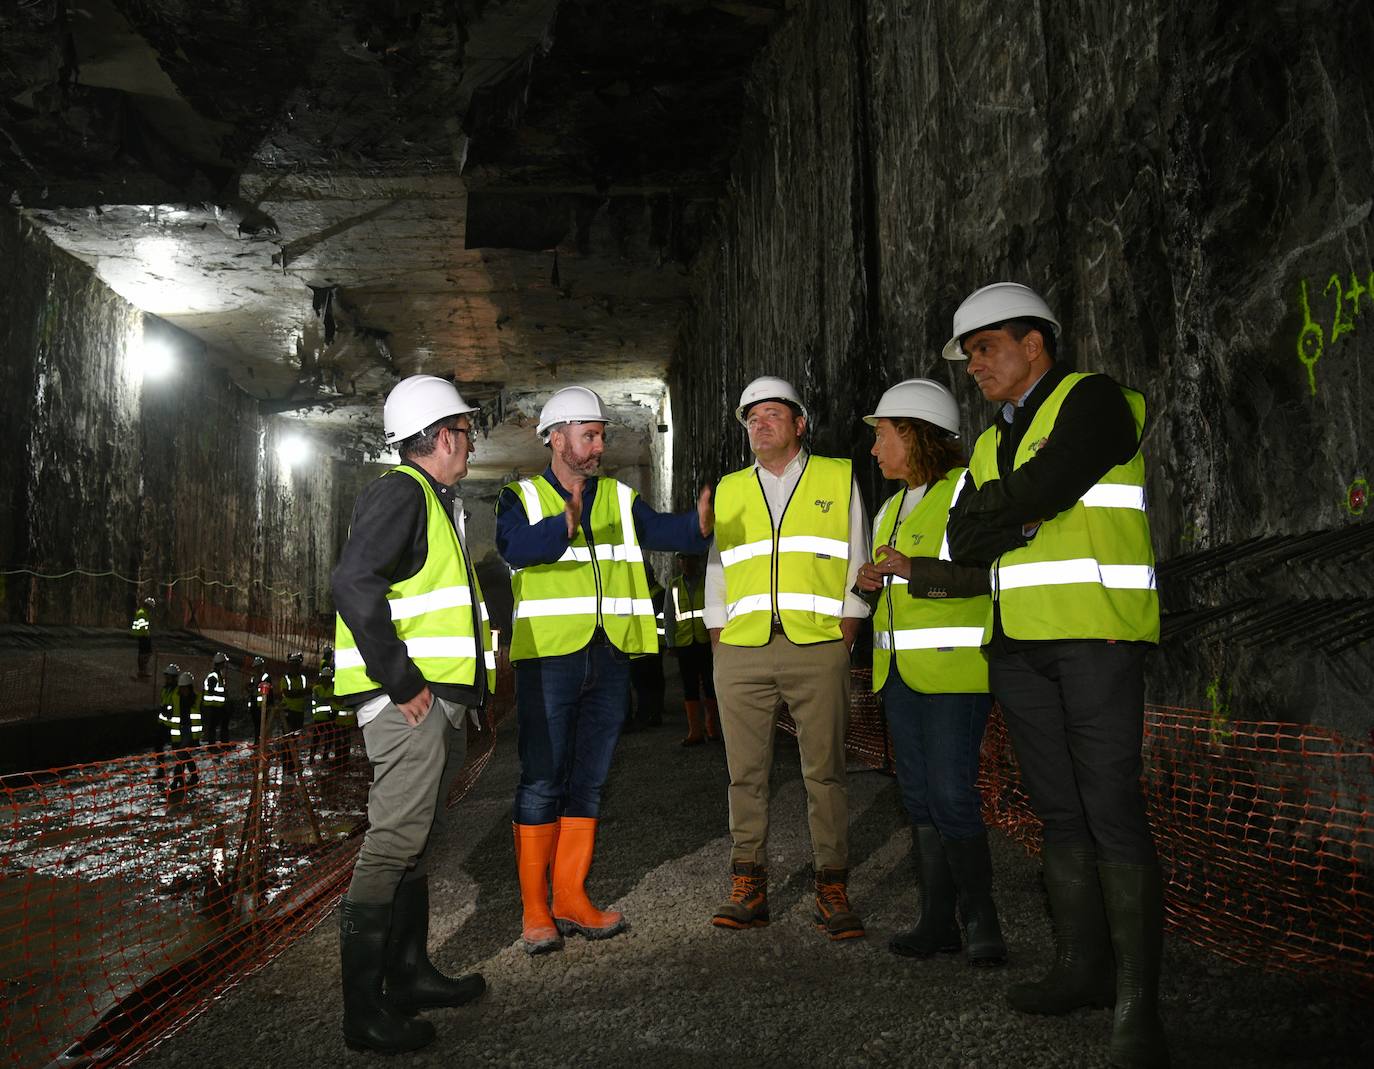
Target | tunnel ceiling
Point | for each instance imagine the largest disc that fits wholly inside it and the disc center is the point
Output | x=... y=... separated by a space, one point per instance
x=331 y=194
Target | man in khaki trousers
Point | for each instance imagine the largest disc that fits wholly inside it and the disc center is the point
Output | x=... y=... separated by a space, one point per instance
x=791 y=534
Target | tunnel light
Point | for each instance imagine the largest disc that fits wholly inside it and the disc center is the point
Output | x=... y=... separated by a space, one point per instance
x=293 y=451
x=155 y=358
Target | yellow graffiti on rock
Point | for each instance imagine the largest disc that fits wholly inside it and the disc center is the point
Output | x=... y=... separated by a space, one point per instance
x=1313 y=338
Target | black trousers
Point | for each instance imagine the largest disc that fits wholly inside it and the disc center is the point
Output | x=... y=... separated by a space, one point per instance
x=1076 y=714
x=694 y=662
x=646 y=679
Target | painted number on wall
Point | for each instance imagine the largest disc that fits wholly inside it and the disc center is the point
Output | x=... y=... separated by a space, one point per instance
x=1338 y=307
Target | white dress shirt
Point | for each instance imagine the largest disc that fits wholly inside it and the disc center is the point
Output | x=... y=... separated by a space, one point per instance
x=777 y=489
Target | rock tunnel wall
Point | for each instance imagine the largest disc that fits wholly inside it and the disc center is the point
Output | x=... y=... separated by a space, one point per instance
x=153 y=480
x=1189 y=185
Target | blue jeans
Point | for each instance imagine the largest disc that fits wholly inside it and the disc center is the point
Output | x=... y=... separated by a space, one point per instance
x=935 y=744
x=570 y=710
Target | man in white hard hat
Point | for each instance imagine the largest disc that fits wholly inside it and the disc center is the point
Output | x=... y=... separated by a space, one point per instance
x=1059 y=515
x=216 y=700
x=413 y=656
x=791 y=535
x=575 y=541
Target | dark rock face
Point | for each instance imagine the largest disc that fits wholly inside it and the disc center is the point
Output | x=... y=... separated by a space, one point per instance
x=1191 y=190
x=150 y=479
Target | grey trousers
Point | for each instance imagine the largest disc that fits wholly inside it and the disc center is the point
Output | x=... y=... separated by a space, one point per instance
x=412 y=771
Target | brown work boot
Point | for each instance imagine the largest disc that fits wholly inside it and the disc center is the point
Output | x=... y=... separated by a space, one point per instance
x=747 y=906
x=694 y=735
x=833 y=915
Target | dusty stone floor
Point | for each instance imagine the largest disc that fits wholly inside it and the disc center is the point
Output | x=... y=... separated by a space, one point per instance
x=676 y=992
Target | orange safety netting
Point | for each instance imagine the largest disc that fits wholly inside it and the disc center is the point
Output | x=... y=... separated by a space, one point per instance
x=134 y=891
x=1265 y=832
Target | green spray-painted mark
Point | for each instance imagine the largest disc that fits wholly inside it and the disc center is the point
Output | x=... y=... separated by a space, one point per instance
x=1357 y=497
x=1219 y=723
x=1311 y=340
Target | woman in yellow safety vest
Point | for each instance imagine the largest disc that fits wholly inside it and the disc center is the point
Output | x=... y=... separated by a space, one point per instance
x=929 y=667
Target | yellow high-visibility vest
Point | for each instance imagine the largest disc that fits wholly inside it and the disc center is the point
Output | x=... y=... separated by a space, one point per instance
x=559 y=606
x=937 y=642
x=431 y=610
x=795 y=571
x=689 y=612
x=1089 y=572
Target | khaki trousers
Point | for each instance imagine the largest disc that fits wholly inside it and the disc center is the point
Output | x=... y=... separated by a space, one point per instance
x=413 y=769
x=751 y=681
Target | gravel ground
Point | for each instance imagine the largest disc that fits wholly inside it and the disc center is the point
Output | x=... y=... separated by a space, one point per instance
x=674 y=991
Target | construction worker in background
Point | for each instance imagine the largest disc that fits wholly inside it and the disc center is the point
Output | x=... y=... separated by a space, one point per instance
x=293 y=691
x=685 y=621
x=582 y=608
x=1058 y=512
x=929 y=668
x=259 y=693
x=186 y=715
x=322 y=714
x=646 y=672
x=169 y=726
x=345 y=728
x=791 y=534
x=413 y=658
x=142 y=629
x=327 y=657
x=214 y=699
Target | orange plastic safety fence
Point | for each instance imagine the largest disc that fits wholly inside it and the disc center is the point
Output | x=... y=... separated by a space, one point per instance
x=1265 y=832
x=134 y=891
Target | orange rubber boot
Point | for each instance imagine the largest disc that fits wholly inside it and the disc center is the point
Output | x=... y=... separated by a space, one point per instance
x=534 y=849
x=573 y=912
x=694 y=735
x=712 y=720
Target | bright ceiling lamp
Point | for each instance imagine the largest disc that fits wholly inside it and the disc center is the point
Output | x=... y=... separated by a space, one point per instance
x=293 y=451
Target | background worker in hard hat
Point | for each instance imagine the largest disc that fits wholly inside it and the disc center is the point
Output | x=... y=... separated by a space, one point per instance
x=215 y=700
x=413 y=658
x=685 y=624
x=322 y=714
x=169 y=726
x=1059 y=514
x=930 y=670
x=186 y=715
x=142 y=629
x=575 y=541
x=293 y=691
x=791 y=534
x=259 y=693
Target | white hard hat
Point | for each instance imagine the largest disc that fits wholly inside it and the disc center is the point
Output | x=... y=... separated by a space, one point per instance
x=767 y=388
x=150 y=602
x=185 y=680
x=221 y=658
x=572 y=404
x=418 y=401
x=919 y=399
x=992 y=305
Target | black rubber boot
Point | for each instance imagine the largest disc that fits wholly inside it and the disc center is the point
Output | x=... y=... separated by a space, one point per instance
x=1134 y=896
x=971 y=864
x=1082 y=973
x=412 y=981
x=936 y=931
x=369 y=1021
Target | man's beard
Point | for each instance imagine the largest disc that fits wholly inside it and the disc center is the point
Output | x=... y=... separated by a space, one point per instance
x=582 y=467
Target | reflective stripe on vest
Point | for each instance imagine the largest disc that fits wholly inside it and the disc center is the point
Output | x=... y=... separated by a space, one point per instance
x=936 y=641
x=1087 y=573
x=432 y=612
x=170 y=715
x=141 y=622
x=796 y=572
x=558 y=606
x=321 y=703
x=689 y=613
x=214 y=691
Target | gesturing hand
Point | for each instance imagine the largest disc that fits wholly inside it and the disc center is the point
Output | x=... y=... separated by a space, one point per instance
x=706 y=514
x=573 y=510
